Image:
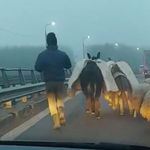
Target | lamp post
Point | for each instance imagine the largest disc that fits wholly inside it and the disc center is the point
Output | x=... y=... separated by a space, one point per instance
x=52 y=23
x=87 y=37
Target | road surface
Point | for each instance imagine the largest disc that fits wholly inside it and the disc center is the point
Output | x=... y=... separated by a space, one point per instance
x=81 y=127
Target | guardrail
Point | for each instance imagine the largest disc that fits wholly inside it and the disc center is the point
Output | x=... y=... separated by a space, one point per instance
x=21 y=76
x=9 y=96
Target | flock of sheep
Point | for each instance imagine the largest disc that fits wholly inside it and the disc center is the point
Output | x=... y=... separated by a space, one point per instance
x=141 y=100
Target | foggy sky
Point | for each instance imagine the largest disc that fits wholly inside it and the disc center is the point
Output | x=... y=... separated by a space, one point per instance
x=106 y=21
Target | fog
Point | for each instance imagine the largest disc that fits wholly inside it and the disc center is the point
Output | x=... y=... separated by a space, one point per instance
x=106 y=21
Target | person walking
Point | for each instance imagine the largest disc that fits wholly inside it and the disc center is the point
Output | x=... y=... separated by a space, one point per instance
x=51 y=63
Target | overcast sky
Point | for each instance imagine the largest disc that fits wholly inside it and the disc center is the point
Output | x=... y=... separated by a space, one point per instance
x=111 y=21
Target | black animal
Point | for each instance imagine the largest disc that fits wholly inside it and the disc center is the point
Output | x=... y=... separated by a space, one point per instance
x=91 y=81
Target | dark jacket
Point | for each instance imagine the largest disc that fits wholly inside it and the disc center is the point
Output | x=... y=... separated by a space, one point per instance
x=52 y=63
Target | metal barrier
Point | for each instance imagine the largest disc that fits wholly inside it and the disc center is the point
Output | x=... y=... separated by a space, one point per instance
x=24 y=76
x=9 y=96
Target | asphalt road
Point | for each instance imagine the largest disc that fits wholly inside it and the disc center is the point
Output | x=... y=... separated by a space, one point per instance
x=80 y=127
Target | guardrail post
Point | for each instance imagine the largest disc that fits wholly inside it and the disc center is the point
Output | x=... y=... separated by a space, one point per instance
x=35 y=96
x=5 y=79
x=42 y=77
x=34 y=79
x=21 y=77
x=24 y=99
x=8 y=104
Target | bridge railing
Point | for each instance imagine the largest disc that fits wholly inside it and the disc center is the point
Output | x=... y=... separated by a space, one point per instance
x=10 y=96
x=21 y=76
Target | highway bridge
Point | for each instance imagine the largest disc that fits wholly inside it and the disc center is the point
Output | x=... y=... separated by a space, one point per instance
x=33 y=122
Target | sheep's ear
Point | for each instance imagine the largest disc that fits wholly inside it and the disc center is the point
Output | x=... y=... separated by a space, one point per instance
x=89 y=56
x=98 y=55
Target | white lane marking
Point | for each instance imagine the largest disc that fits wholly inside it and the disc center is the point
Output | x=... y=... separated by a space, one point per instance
x=11 y=135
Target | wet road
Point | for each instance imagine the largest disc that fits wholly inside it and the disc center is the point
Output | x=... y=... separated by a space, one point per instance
x=85 y=128
x=81 y=127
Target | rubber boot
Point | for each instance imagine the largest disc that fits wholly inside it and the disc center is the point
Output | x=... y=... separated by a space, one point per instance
x=61 y=116
x=56 y=121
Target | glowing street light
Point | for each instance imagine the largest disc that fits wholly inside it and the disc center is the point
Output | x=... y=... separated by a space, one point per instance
x=87 y=37
x=138 y=49
x=53 y=23
x=116 y=44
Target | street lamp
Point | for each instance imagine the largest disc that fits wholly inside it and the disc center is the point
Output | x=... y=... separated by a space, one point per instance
x=87 y=37
x=116 y=44
x=52 y=23
x=137 y=48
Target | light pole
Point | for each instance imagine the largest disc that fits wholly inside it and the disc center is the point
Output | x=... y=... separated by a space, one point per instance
x=87 y=37
x=52 y=23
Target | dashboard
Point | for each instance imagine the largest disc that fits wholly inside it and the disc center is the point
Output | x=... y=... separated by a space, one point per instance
x=4 y=147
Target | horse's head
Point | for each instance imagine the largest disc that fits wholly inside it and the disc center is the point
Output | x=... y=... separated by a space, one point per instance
x=94 y=58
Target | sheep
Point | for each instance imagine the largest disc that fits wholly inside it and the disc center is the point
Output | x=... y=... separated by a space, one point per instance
x=138 y=95
x=147 y=80
x=145 y=108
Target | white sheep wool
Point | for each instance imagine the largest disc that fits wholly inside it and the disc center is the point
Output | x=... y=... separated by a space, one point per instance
x=126 y=69
x=108 y=78
x=147 y=81
x=110 y=63
x=138 y=95
x=145 y=108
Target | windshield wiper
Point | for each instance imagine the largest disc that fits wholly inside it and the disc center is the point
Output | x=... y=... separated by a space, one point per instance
x=103 y=146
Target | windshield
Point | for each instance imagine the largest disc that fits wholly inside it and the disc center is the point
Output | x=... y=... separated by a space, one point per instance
x=50 y=90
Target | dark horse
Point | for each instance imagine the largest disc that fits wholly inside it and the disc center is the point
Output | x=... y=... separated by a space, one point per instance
x=91 y=81
x=124 y=86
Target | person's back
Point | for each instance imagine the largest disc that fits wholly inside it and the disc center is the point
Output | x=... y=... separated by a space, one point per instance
x=51 y=63
x=54 y=62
